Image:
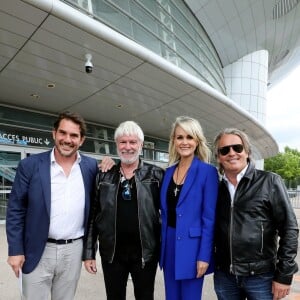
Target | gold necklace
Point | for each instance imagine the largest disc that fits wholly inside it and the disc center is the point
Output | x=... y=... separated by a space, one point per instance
x=177 y=189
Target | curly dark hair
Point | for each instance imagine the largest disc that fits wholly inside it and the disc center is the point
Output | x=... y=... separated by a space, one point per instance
x=74 y=117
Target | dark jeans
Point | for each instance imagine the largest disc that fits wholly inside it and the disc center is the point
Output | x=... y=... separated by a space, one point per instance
x=232 y=287
x=116 y=276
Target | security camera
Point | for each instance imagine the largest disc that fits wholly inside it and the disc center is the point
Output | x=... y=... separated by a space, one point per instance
x=88 y=64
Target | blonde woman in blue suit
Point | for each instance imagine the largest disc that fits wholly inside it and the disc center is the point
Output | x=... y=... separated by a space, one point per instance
x=188 y=201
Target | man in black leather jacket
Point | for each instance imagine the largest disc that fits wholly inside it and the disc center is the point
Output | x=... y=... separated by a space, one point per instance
x=125 y=219
x=256 y=229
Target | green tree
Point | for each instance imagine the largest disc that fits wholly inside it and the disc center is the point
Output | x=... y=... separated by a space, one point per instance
x=287 y=165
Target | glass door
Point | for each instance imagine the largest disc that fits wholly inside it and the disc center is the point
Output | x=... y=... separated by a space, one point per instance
x=8 y=163
x=9 y=159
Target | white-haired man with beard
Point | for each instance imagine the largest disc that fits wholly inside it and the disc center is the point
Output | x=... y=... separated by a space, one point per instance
x=125 y=219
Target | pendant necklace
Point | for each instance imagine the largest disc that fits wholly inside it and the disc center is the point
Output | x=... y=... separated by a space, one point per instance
x=177 y=189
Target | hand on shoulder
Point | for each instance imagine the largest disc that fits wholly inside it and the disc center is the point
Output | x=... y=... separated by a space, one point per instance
x=106 y=164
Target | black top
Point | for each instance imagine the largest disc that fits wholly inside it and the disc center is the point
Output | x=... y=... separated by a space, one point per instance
x=172 y=201
x=128 y=234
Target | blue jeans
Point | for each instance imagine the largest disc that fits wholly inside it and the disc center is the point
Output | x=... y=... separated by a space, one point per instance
x=254 y=287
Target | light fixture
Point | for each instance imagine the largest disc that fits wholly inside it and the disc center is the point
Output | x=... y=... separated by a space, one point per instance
x=35 y=96
x=51 y=85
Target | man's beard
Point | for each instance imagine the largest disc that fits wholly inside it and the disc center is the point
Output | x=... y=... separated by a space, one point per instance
x=129 y=161
x=65 y=153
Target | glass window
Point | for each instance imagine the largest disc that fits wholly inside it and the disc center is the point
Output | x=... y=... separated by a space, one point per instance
x=149 y=5
x=141 y=16
x=112 y=17
x=146 y=38
x=121 y=4
x=8 y=165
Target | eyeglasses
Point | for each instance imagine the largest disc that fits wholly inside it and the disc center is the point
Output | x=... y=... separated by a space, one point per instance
x=126 y=193
x=238 y=148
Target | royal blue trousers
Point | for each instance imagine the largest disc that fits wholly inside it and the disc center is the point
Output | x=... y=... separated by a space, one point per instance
x=186 y=289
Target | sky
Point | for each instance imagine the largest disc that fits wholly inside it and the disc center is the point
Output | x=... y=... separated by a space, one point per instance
x=283 y=111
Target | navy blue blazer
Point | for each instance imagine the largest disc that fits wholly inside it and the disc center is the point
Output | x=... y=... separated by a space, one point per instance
x=28 y=210
x=195 y=218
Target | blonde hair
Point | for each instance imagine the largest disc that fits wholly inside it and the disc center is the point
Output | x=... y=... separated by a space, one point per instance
x=193 y=128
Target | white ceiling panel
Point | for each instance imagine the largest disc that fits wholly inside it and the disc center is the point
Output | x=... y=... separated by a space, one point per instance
x=258 y=14
x=67 y=48
x=63 y=59
x=88 y=41
x=212 y=9
x=22 y=11
x=162 y=81
x=45 y=75
x=11 y=39
x=241 y=5
x=104 y=110
x=228 y=9
x=234 y=28
x=49 y=100
x=143 y=88
x=15 y=25
x=7 y=52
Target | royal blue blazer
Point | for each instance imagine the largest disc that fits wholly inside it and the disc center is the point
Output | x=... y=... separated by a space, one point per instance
x=195 y=218
x=28 y=210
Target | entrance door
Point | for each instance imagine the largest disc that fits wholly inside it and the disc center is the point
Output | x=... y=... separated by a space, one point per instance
x=9 y=160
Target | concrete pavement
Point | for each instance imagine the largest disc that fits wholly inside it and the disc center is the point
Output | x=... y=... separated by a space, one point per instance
x=91 y=287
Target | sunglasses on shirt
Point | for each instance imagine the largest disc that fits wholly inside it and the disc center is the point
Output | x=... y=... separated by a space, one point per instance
x=126 y=193
x=238 y=148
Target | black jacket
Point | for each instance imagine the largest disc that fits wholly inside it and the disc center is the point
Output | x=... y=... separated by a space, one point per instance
x=102 y=224
x=247 y=231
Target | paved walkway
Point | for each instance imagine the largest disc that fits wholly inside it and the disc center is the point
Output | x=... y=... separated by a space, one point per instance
x=91 y=287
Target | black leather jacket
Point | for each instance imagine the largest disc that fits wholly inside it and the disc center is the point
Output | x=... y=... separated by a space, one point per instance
x=102 y=223
x=247 y=230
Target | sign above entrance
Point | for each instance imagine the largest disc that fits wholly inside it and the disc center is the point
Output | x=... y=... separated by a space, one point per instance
x=24 y=137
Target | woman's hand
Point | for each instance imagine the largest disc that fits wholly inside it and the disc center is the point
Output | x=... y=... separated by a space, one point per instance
x=201 y=268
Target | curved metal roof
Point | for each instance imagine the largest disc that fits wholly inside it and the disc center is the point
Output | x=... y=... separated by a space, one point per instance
x=47 y=44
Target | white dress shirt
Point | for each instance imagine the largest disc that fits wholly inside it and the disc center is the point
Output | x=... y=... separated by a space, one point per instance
x=230 y=186
x=67 y=201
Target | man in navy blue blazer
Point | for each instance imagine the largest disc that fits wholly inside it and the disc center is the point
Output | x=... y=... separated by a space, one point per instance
x=48 y=211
